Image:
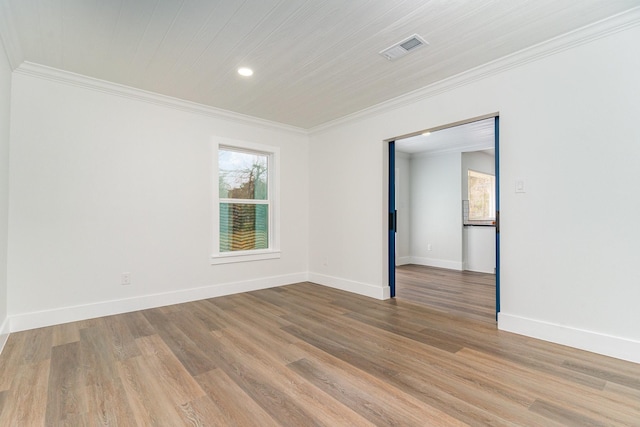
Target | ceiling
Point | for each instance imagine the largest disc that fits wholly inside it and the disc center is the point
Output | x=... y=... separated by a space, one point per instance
x=474 y=136
x=314 y=60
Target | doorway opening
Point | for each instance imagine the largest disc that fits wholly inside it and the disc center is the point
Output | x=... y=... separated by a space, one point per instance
x=444 y=225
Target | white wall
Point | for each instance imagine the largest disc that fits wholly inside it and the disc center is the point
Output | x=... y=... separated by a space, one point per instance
x=5 y=103
x=403 y=206
x=103 y=184
x=348 y=221
x=478 y=243
x=569 y=244
x=436 y=210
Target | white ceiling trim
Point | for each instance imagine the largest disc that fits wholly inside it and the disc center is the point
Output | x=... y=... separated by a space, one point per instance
x=600 y=29
x=597 y=30
x=73 y=79
x=466 y=149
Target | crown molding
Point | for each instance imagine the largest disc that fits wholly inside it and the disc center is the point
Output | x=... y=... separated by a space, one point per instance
x=600 y=29
x=466 y=149
x=580 y=36
x=85 y=82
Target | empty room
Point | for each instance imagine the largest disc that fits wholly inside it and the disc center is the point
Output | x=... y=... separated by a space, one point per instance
x=199 y=223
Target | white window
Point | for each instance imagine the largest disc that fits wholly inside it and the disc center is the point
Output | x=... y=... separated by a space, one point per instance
x=245 y=212
x=482 y=196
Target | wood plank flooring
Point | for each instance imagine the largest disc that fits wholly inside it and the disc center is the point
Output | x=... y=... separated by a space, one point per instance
x=463 y=293
x=305 y=355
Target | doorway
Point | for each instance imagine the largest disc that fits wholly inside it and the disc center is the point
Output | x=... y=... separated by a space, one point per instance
x=429 y=225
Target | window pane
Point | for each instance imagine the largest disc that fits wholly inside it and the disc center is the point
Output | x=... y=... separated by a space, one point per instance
x=243 y=227
x=242 y=175
x=481 y=196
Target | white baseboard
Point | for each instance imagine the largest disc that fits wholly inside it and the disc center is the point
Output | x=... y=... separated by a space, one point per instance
x=403 y=260
x=38 y=319
x=440 y=263
x=595 y=342
x=480 y=270
x=4 y=333
x=360 y=288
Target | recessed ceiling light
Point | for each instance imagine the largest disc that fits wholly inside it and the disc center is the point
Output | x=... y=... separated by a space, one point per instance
x=426 y=134
x=246 y=72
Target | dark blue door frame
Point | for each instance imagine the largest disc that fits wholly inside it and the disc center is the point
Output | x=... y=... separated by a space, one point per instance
x=496 y=133
x=393 y=222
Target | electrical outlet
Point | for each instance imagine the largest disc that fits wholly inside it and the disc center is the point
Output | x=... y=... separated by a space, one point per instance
x=429 y=247
x=125 y=279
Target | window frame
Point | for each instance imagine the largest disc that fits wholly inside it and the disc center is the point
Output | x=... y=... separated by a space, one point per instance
x=273 y=197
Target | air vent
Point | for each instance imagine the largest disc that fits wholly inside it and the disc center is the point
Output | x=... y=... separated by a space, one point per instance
x=404 y=47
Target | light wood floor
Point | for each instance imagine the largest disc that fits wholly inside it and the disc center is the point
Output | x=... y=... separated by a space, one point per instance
x=463 y=293
x=305 y=355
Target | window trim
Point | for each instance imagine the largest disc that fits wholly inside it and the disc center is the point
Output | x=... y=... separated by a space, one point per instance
x=273 y=199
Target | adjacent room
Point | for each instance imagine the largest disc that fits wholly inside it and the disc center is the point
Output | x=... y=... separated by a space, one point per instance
x=445 y=199
x=195 y=212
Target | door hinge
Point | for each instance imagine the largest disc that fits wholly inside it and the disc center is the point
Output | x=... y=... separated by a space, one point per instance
x=393 y=221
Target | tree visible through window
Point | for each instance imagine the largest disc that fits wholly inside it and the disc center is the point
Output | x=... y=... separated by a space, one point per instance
x=243 y=181
x=482 y=205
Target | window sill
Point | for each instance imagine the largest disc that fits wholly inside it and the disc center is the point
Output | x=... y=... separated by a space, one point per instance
x=480 y=222
x=228 y=258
